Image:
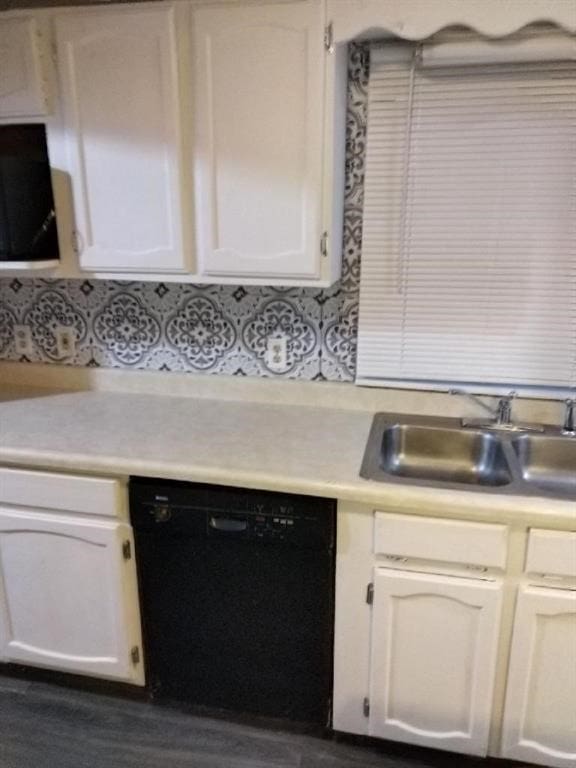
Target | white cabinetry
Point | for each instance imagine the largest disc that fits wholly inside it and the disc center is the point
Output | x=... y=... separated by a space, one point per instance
x=434 y=641
x=540 y=717
x=119 y=72
x=68 y=594
x=23 y=83
x=418 y=617
x=540 y=712
x=265 y=133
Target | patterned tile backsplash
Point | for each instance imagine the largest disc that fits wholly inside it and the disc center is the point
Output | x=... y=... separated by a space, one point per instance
x=206 y=329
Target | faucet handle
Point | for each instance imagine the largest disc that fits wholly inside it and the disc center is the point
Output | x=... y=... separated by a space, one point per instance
x=504 y=412
x=568 y=428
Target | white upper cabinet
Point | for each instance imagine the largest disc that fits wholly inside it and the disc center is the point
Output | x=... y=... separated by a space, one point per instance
x=68 y=596
x=434 y=642
x=23 y=83
x=540 y=713
x=119 y=72
x=259 y=106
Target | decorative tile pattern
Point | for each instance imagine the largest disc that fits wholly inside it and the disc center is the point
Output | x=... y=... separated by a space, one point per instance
x=7 y=323
x=201 y=332
x=126 y=327
x=50 y=310
x=340 y=339
x=212 y=329
x=276 y=318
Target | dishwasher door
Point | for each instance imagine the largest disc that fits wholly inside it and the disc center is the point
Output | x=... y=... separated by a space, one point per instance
x=236 y=619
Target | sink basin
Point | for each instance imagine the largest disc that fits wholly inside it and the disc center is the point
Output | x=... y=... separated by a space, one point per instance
x=547 y=462
x=443 y=454
x=439 y=452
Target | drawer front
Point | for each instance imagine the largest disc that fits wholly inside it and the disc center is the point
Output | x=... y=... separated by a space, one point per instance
x=450 y=541
x=66 y=493
x=552 y=552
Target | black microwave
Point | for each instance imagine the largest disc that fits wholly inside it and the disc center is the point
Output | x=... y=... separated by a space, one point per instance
x=27 y=216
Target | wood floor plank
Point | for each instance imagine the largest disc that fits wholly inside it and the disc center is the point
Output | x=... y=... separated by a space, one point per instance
x=47 y=726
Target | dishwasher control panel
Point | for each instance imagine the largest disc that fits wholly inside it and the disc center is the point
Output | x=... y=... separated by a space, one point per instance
x=229 y=513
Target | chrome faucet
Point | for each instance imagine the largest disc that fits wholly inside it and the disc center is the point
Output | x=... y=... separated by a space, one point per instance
x=568 y=428
x=504 y=410
x=500 y=418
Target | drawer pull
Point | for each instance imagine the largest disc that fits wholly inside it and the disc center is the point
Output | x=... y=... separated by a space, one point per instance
x=396 y=558
x=476 y=568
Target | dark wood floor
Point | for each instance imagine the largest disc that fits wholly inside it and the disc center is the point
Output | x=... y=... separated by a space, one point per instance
x=46 y=726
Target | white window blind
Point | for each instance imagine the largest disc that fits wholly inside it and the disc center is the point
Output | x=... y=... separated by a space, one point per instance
x=469 y=237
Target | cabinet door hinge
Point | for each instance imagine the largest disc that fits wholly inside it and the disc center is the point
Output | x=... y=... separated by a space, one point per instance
x=366 y=707
x=135 y=655
x=126 y=550
x=77 y=242
x=329 y=38
x=370 y=594
x=324 y=244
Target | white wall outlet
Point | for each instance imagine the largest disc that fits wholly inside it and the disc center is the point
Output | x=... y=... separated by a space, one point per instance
x=276 y=353
x=23 y=340
x=65 y=341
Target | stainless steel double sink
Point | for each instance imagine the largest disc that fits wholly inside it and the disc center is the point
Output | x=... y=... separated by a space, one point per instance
x=440 y=452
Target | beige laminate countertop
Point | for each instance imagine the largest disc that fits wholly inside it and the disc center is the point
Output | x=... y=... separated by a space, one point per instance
x=290 y=448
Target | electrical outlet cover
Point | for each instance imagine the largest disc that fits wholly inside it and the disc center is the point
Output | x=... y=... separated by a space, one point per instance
x=277 y=353
x=65 y=341
x=23 y=340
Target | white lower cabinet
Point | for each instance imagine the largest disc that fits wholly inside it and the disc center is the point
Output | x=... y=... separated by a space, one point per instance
x=540 y=712
x=433 y=658
x=68 y=594
x=465 y=639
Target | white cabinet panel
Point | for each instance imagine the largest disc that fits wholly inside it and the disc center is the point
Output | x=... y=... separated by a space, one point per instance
x=540 y=713
x=552 y=553
x=449 y=541
x=23 y=88
x=120 y=92
x=68 y=597
x=434 y=642
x=259 y=90
x=102 y=496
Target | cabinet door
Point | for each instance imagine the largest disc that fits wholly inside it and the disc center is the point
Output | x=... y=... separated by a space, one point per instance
x=22 y=85
x=119 y=77
x=259 y=75
x=540 y=713
x=434 y=641
x=68 y=596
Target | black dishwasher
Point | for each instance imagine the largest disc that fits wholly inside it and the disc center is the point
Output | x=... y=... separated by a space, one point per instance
x=237 y=598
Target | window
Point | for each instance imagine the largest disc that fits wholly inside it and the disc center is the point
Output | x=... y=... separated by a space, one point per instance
x=469 y=238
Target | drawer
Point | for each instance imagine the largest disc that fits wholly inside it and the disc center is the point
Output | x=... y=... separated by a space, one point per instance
x=450 y=541
x=66 y=493
x=551 y=552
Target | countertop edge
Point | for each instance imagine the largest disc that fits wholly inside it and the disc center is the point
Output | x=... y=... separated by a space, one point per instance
x=512 y=509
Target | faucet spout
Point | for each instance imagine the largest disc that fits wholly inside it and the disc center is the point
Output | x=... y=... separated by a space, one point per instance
x=475 y=399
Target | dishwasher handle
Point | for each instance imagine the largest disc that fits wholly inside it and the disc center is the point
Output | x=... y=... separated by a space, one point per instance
x=228 y=524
